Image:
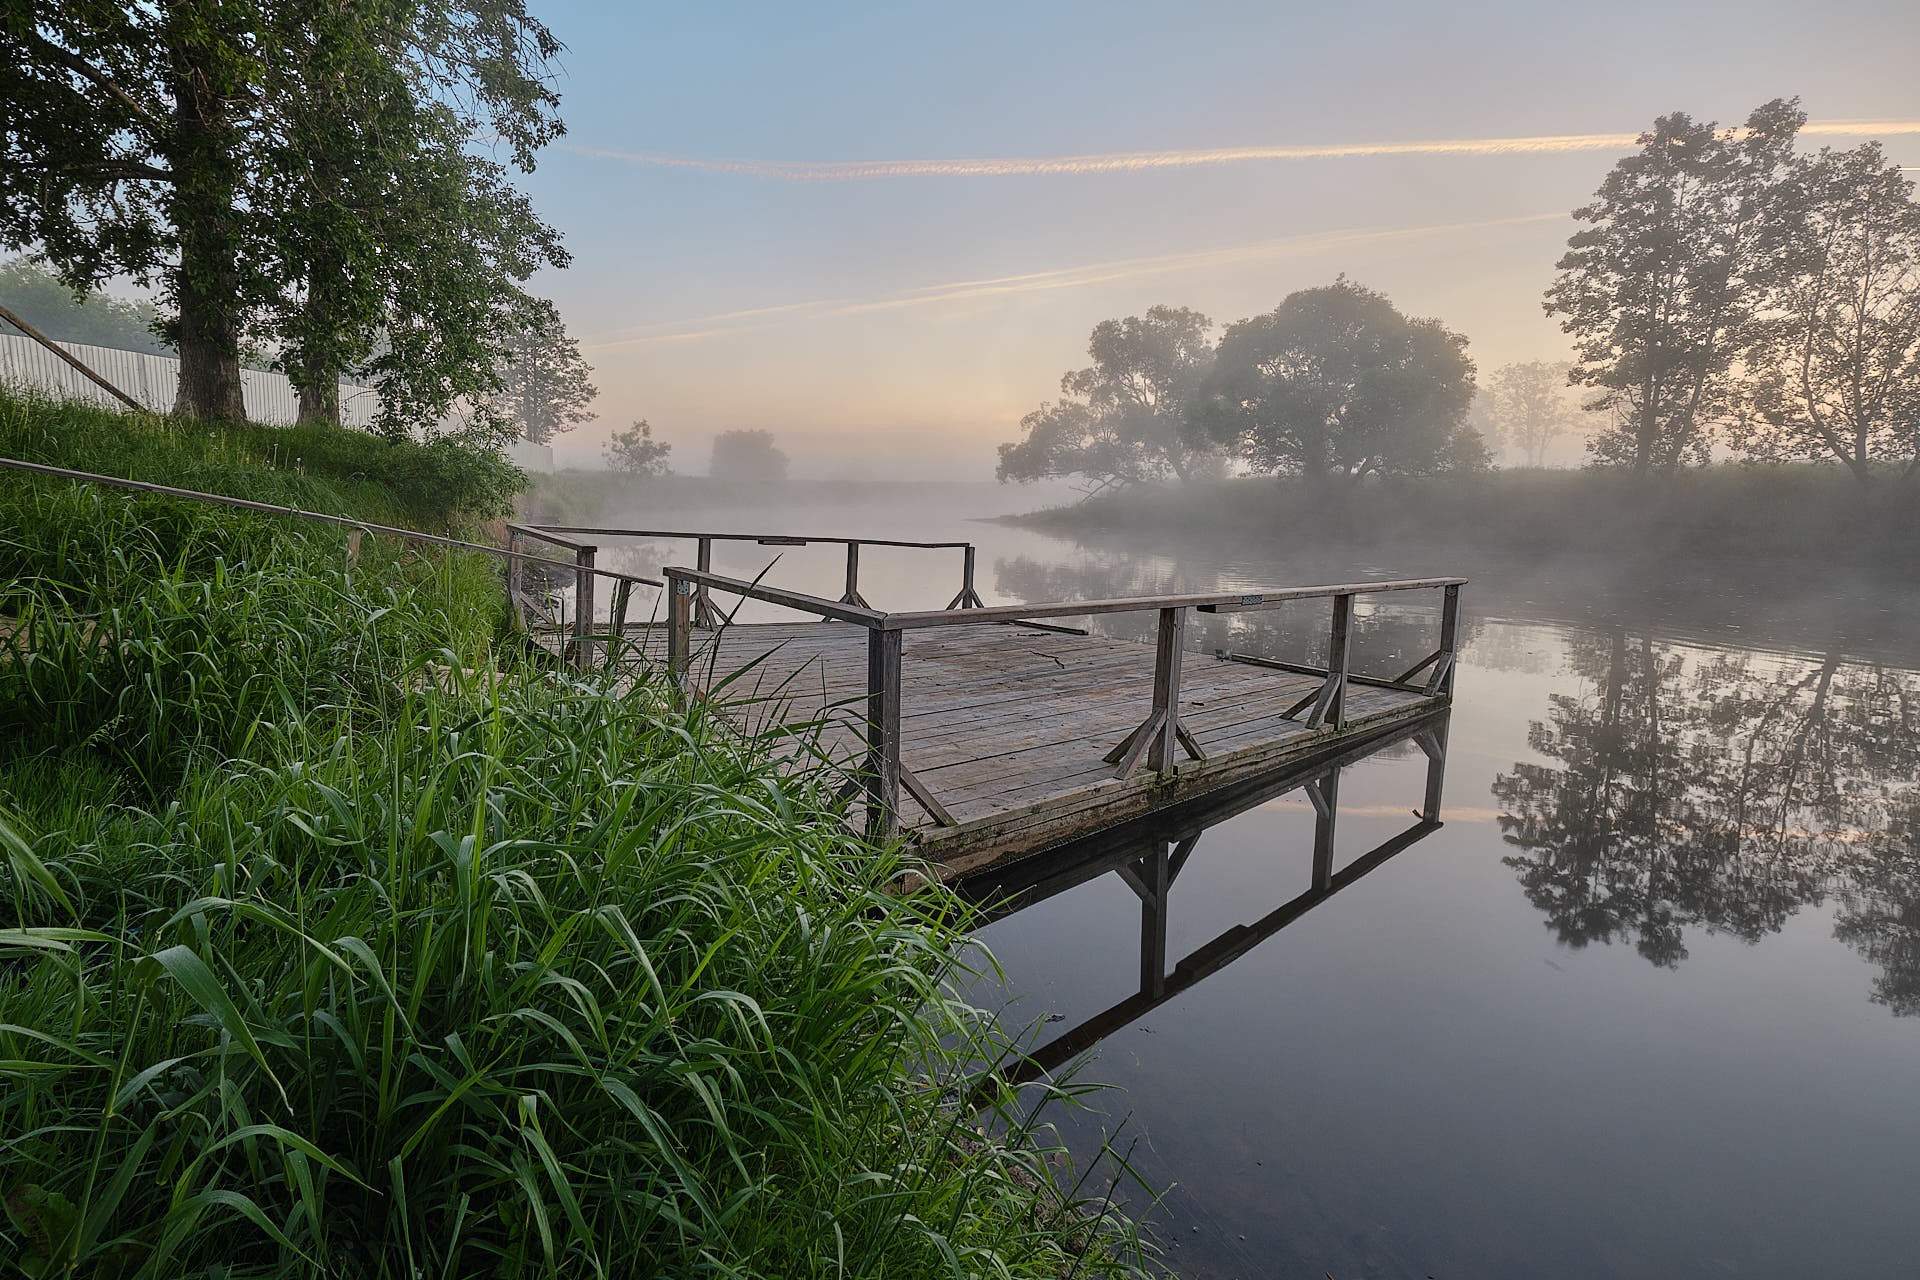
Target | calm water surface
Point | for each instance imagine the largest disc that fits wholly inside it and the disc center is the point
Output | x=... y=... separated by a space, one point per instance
x=1647 y=1003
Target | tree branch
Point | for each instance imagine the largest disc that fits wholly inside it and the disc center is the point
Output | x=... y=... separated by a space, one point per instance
x=87 y=71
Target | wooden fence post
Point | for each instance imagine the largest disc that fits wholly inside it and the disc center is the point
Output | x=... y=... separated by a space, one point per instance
x=883 y=733
x=516 y=581
x=702 y=603
x=680 y=602
x=583 y=611
x=852 y=594
x=967 y=597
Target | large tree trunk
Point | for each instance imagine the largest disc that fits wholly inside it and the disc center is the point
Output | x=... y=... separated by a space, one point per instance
x=320 y=405
x=206 y=283
x=316 y=378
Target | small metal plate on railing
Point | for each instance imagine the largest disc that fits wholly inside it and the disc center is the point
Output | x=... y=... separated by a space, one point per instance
x=781 y=542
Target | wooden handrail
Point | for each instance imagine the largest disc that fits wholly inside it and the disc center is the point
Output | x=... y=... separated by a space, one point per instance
x=1212 y=602
x=769 y=539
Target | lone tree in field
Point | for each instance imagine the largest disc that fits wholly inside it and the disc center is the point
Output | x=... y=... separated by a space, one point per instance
x=544 y=389
x=1834 y=365
x=635 y=451
x=1660 y=289
x=1123 y=419
x=1530 y=406
x=1335 y=385
x=747 y=455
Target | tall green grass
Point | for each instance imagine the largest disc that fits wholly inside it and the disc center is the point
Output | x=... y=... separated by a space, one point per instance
x=432 y=486
x=335 y=940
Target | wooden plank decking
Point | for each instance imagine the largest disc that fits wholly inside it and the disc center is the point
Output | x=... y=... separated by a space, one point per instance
x=1006 y=726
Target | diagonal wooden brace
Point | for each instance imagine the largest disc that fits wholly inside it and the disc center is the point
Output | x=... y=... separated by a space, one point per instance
x=1130 y=750
x=918 y=790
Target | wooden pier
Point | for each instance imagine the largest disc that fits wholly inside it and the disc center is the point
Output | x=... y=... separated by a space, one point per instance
x=980 y=732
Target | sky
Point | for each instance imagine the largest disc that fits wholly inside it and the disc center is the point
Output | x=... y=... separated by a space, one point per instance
x=883 y=232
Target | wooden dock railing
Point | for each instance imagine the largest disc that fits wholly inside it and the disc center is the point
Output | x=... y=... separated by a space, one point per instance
x=1160 y=736
x=705 y=615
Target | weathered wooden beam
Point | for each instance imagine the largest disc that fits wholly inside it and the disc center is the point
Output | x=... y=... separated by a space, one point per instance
x=767 y=539
x=1441 y=681
x=1169 y=649
x=584 y=611
x=1340 y=645
x=85 y=370
x=780 y=596
x=1307 y=669
x=852 y=594
x=680 y=596
x=918 y=790
x=883 y=734
x=703 y=612
x=1205 y=603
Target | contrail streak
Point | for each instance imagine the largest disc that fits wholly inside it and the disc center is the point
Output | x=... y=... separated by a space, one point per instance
x=729 y=322
x=1124 y=162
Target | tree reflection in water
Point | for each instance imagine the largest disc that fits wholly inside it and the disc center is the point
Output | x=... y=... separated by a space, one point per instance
x=1689 y=789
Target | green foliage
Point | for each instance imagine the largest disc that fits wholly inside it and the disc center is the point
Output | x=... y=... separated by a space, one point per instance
x=1659 y=290
x=40 y=299
x=636 y=452
x=302 y=168
x=438 y=485
x=545 y=389
x=336 y=940
x=1833 y=360
x=1124 y=418
x=1336 y=384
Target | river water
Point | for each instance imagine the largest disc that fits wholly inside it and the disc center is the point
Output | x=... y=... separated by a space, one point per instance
x=1646 y=1002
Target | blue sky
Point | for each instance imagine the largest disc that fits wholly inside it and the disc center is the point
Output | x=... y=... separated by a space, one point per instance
x=734 y=266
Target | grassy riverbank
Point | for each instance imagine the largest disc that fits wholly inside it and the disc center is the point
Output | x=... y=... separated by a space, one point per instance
x=1763 y=513
x=336 y=939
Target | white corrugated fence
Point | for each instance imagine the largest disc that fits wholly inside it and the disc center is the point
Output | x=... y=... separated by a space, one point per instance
x=152 y=380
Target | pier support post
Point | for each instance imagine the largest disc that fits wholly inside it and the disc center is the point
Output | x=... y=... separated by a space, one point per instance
x=1441 y=681
x=882 y=778
x=1433 y=742
x=1330 y=705
x=1161 y=736
x=1324 y=792
x=1166 y=688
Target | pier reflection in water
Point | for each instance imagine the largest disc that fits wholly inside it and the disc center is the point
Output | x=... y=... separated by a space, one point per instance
x=1149 y=856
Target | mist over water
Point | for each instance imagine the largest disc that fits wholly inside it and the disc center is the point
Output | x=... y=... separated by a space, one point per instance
x=1648 y=1003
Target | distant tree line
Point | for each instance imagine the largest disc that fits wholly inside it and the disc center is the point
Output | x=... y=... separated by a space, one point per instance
x=1333 y=385
x=303 y=175
x=1725 y=289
